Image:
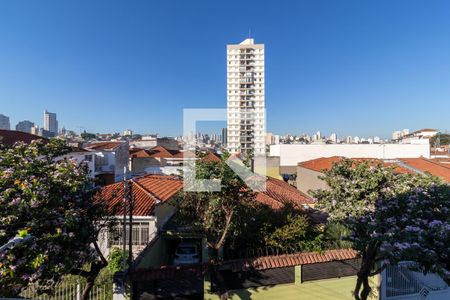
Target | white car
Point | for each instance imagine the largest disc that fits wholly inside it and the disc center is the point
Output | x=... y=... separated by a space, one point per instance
x=186 y=253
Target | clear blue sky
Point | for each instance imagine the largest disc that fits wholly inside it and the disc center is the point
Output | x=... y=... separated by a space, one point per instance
x=350 y=67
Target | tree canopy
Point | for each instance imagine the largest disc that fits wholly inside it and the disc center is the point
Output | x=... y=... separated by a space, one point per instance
x=391 y=217
x=48 y=198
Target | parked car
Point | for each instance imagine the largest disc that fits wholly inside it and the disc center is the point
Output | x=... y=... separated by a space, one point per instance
x=186 y=253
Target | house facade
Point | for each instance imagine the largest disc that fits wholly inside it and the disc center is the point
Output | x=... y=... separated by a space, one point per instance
x=111 y=160
x=151 y=195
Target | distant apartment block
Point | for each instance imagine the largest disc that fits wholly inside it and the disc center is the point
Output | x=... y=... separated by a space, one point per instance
x=50 y=123
x=418 y=136
x=127 y=132
x=4 y=122
x=245 y=98
x=25 y=126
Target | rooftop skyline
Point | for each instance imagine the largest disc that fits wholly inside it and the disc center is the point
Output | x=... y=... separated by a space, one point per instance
x=352 y=68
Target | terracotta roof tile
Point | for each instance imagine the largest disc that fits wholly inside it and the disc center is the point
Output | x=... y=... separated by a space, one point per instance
x=103 y=146
x=279 y=193
x=147 y=191
x=184 y=154
x=160 y=152
x=10 y=137
x=211 y=157
x=430 y=166
x=326 y=163
x=139 y=153
x=288 y=260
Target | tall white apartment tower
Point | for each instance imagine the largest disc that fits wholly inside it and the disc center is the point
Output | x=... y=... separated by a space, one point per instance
x=50 y=122
x=246 y=126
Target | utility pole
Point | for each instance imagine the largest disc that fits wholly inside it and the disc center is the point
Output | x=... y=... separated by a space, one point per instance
x=124 y=260
x=130 y=240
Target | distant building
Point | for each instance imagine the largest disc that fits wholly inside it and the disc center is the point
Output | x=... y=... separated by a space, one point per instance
x=50 y=123
x=376 y=140
x=127 y=132
x=4 y=122
x=25 y=126
x=317 y=136
x=269 y=136
x=291 y=155
x=349 y=140
x=275 y=139
x=396 y=135
x=333 y=138
x=111 y=160
x=224 y=137
x=35 y=130
x=245 y=98
x=418 y=136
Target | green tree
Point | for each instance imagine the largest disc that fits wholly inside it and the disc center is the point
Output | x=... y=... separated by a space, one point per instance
x=444 y=139
x=218 y=215
x=115 y=260
x=88 y=136
x=50 y=199
x=391 y=217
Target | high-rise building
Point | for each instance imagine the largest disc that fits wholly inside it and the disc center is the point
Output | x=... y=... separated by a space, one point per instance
x=245 y=98
x=396 y=135
x=127 y=132
x=224 y=137
x=4 y=122
x=25 y=126
x=35 y=130
x=333 y=138
x=50 y=122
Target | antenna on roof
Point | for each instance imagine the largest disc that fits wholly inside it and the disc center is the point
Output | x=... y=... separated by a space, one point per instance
x=249 y=33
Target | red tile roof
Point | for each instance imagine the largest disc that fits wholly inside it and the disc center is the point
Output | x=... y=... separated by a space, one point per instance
x=147 y=191
x=326 y=163
x=279 y=193
x=288 y=260
x=10 y=137
x=211 y=157
x=426 y=165
x=103 y=146
x=425 y=130
x=139 y=153
x=238 y=265
x=160 y=152
x=184 y=154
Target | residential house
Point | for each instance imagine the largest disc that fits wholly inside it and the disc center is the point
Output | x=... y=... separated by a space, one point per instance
x=111 y=160
x=309 y=172
x=155 y=276
x=158 y=160
x=151 y=195
x=292 y=154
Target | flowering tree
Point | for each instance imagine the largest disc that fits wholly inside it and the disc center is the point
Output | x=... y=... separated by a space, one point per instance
x=48 y=198
x=391 y=217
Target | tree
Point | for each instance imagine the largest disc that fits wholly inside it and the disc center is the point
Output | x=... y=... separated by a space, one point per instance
x=218 y=215
x=88 y=136
x=391 y=217
x=50 y=199
x=444 y=139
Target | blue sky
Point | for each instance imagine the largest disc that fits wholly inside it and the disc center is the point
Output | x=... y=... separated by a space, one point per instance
x=350 y=67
